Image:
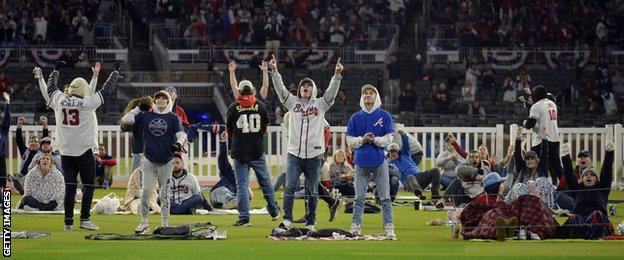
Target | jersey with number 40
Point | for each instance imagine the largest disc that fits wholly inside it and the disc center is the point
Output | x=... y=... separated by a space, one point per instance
x=545 y=112
x=75 y=122
x=246 y=126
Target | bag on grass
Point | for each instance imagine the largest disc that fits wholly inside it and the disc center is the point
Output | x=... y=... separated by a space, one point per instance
x=107 y=205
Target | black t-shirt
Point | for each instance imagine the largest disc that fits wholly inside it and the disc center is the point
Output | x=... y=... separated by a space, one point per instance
x=247 y=126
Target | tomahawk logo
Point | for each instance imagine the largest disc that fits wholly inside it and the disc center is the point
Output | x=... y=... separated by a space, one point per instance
x=379 y=122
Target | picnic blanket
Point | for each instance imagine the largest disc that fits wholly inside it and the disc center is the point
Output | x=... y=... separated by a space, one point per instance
x=301 y=234
x=196 y=231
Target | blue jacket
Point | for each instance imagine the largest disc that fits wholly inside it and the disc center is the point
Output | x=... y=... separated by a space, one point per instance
x=159 y=135
x=404 y=162
x=379 y=123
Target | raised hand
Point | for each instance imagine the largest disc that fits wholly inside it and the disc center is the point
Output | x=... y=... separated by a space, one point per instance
x=21 y=120
x=96 y=69
x=37 y=72
x=43 y=120
x=59 y=65
x=232 y=66
x=264 y=66
x=610 y=146
x=223 y=136
x=273 y=62
x=7 y=98
x=339 y=67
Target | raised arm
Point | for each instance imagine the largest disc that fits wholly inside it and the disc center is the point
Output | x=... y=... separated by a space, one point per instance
x=334 y=84
x=568 y=169
x=264 y=91
x=606 y=173
x=233 y=81
x=518 y=160
x=6 y=123
x=43 y=120
x=460 y=150
x=225 y=168
x=405 y=149
x=287 y=99
x=94 y=79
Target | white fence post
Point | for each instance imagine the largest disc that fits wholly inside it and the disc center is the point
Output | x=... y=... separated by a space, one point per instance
x=618 y=138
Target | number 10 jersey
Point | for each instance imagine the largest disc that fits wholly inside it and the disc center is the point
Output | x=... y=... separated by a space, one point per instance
x=246 y=127
x=75 y=122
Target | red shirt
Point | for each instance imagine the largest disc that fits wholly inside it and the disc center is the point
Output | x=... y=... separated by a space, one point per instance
x=182 y=115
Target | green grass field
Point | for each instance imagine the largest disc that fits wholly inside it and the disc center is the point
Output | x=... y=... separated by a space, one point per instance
x=416 y=239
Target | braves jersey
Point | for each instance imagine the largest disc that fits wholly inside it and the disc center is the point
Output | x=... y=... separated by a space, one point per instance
x=247 y=126
x=183 y=187
x=306 y=126
x=75 y=122
x=545 y=112
x=379 y=123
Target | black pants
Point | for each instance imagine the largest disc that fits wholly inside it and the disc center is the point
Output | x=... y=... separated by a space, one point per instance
x=346 y=189
x=455 y=192
x=34 y=203
x=430 y=177
x=83 y=165
x=554 y=160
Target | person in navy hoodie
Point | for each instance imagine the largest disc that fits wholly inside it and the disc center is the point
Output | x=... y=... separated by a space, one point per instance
x=162 y=135
x=369 y=132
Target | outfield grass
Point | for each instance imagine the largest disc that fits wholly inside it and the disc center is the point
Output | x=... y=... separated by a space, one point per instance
x=416 y=239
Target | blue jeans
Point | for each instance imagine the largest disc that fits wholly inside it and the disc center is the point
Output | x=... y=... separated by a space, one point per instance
x=241 y=170
x=311 y=169
x=279 y=181
x=446 y=180
x=381 y=176
x=196 y=201
x=394 y=188
x=136 y=161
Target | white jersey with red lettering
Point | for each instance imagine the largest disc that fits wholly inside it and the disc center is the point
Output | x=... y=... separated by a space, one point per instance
x=75 y=122
x=545 y=112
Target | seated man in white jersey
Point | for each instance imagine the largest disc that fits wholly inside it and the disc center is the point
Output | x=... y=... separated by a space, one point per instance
x=543 y=113
x=75 y=122
x=186 y=194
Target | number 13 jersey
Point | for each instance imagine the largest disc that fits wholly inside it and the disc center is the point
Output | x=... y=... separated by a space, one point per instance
x=545 y=112
x=75 y=122
x=246 y=124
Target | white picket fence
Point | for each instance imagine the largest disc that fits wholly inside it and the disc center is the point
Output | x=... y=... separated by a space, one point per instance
x=202 y=156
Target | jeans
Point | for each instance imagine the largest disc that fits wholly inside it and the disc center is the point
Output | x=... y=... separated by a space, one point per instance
x=382 y=180
x=221 y=195
x=279 y=181
x=153 y=172
x=564 y=201
x=446 y=180
x=196 y=201
x=394 y=188
x=311 y=169
x=136 y=161
x=241 y=172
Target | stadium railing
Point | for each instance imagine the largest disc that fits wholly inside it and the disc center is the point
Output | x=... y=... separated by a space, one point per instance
x=202 y=154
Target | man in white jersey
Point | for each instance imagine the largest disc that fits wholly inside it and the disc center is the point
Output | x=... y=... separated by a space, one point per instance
x=543 y=113
x=305 y=137
x=75 y=122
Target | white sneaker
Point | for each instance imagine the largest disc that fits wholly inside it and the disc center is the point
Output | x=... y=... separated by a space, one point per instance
x=310 y=227
x=356 y=229
x=231 y=204
x=534 y=236
x=286 y=224
x=389 y=228
x=141 y=229
x=88 y=225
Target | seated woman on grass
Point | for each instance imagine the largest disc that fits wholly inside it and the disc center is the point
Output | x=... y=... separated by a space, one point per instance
x=589 y=218
x=489 y=217
x=44 y=187
x=341 y=174
x=467 y=185
x=533 y=170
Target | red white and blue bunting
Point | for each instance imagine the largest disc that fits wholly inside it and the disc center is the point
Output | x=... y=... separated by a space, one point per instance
x=242 y=57
x=505 y=59
x=316 y=59
x=45 y=57
x=553 y=57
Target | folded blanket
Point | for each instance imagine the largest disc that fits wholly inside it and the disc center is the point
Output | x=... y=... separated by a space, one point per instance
x=262 y=211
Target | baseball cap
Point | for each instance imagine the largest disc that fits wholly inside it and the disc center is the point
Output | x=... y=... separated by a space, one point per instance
x=368 y=86
x=531 y=154
x=46 y=140
x=246 y=88
x=393 y=147
x=492 y=178
x=584 y=153
x=172 y=89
